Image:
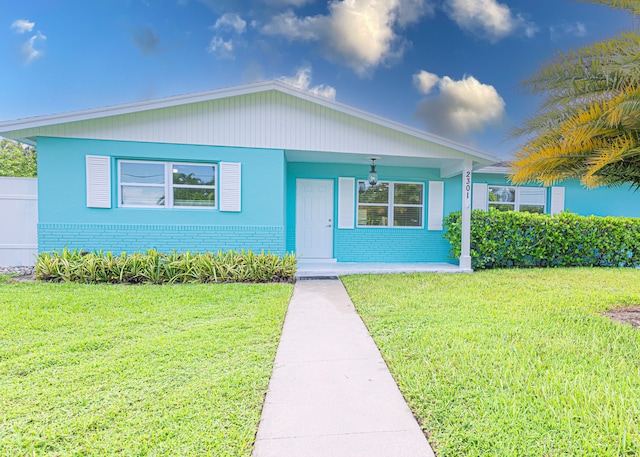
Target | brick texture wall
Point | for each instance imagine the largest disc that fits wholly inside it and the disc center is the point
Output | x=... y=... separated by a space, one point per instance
x=390 y=245
x=165 y=238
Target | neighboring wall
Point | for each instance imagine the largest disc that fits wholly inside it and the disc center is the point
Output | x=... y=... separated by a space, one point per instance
x=18 y=221
x=66 y=221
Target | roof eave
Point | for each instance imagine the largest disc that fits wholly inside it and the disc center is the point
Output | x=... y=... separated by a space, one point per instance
x=41 y=121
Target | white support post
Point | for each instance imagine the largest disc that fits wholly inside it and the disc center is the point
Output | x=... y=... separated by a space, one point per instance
x=465 y=253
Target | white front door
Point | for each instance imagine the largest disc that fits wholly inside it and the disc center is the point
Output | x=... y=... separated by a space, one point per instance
x=314 y=218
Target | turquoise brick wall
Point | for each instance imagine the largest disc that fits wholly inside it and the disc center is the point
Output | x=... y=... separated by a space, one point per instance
x=129 y=237
x=66 y=221
x=390 y=245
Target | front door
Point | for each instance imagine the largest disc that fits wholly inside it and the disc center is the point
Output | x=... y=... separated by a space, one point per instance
x=314 y=218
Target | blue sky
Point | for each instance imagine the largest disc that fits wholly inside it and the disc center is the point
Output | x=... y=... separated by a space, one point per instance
x=450 y=67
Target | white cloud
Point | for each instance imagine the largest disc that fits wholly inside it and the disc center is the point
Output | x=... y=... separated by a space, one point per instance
x=302 y=80
x=292 y=27
x=226 y=25
x=530 y=29
x=461 y=107
x=578 y=29
x=29 y=50
x=222 y=48
x=425 y=81
x=23 y=26
x=230 y=21
x=360 y=34
x=488 y=18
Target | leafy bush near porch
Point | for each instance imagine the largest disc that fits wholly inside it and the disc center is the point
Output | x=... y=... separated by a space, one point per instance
x=158 y=268
x=517 y=239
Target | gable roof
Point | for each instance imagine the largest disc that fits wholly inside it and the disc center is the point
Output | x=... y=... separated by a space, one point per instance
x=268 y=114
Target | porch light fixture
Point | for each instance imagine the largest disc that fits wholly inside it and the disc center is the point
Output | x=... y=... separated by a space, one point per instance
x=373 y=176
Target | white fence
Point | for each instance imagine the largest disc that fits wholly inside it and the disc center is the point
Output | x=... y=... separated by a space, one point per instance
x=18 y=221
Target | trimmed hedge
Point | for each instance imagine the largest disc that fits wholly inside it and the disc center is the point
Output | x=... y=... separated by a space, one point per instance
x=512 y=239
x=157 y=268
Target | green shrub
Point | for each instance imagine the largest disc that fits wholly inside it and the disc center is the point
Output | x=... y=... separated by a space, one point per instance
x=516 y=239
x=157 y=268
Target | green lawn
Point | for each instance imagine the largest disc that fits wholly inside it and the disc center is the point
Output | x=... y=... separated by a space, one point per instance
x=100 y=370
x=512 y=362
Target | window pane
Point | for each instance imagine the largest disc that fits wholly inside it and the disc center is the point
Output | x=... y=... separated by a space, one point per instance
x=198 y=175
x=142 y=172
x=502 y=194
x=502 y=206
x=142 y=196
x=373 y=215
x=194 y=197
x=407 y=194
x=407 y=217
x=373 y=194
x=539 y=209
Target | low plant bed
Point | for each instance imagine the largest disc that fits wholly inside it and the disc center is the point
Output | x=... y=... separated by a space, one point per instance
x=113 y=370
x=159 y=268
x=512 y=362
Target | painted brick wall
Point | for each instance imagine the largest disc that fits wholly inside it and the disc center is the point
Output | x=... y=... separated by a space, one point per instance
x=390 y=245
x=129 y=237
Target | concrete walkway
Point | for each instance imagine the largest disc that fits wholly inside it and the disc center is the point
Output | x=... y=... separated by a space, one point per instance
x=331 y=393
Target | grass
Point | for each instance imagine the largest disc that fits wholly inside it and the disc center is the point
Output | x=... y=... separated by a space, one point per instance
x=135 y=370
x=512 y=362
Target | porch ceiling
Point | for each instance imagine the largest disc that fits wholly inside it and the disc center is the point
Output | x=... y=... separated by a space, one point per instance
x=445 y=165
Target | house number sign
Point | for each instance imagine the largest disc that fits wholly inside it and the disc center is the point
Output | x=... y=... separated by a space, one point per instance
x=467 y=184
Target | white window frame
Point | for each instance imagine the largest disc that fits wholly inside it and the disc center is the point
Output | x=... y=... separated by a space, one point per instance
x=390 y=205
x=516 y=203
x=168 y=185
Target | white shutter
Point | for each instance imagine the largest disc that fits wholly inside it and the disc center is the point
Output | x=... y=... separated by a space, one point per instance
x=479 y=197
x=229 y=188
x=436 y=205
x=346 y=202
x=557 y=200
x=98 y=171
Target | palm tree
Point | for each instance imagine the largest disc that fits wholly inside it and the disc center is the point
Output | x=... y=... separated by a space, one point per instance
x=589 y=124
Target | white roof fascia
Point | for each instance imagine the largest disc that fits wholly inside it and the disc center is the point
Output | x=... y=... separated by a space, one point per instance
x=494 y=170
x=76 y=116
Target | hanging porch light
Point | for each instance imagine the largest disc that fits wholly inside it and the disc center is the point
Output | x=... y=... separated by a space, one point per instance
x=373 y=175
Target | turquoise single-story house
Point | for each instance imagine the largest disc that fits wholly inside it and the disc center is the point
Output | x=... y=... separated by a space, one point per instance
x=266 y=167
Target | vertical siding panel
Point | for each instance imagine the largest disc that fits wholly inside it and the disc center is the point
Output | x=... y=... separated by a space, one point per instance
x=211 y=126
x=213 y=122
x=259 y=119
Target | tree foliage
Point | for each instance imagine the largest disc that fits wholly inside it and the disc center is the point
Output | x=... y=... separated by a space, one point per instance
x=588 y=126
x=17 y=160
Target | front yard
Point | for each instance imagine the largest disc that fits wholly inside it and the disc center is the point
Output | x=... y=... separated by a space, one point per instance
x=512 y=362
x=135 y=370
